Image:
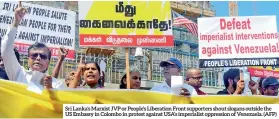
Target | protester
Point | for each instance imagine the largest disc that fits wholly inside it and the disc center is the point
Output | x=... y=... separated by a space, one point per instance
x=62 y=55
x=270 y=86
x=172 y=67
x=234 y=85
x=260 y=89
x=38 y=57
x=91 y=75
x=194 y=79
x=135 y=80
x=70 y=77
x=3 y=74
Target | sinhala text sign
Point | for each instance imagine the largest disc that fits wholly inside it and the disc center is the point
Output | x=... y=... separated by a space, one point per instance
x=125 y=24
x=51 y=26
x=264 y=71
x=238 y=41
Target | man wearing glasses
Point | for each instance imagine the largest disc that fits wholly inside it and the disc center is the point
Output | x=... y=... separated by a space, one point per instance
x=194 y=78
x=38 y=57
x=172 y=67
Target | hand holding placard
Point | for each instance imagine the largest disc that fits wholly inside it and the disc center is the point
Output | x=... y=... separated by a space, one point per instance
x=176 y=84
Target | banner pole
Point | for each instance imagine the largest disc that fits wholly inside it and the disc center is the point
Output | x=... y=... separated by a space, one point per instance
x=127 y=68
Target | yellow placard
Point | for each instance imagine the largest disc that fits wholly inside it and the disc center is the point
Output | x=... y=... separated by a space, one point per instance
x=125 y=23
x=17 y=102
x=142 y=10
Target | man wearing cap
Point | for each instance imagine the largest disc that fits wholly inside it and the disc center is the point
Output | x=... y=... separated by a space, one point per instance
x=172 y=67
x=270 y=86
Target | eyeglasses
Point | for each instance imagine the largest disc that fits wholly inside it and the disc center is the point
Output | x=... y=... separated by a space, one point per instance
x=168 y=66
x=196 y=78
x=35 y=55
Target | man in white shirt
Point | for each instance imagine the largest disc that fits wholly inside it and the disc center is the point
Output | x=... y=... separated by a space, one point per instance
x=172 y=67
x=38 y=57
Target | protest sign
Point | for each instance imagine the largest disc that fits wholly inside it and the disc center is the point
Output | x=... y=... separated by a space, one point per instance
x=238 y=41
x=51 y=26
x=125 y=24
x=264 y=71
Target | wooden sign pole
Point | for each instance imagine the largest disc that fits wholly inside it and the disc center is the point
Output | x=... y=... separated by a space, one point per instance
x=127 y=68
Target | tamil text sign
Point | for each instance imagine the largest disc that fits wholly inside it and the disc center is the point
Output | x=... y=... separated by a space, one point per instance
x=125 y=24
x=238 y=41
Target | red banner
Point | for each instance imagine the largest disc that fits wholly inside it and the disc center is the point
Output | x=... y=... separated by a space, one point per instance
x=263 y=73
x=126 y=40
x=23 y=49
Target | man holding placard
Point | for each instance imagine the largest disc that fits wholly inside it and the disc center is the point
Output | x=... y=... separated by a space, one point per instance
x=172 y=67
x=38 y=57
x=234 y=83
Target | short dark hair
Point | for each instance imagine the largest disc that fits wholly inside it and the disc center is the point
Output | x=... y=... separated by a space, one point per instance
x=38 y=45
x=230 y=74
x=122 y=84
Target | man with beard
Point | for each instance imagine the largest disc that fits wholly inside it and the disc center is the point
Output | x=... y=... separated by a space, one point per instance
x=194 y=78
x=235 y=85
x=270 y=86
x=38 y=57
x=172 y=67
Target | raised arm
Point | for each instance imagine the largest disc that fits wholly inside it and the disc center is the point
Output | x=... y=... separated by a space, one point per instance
x=62 y=55
x=74 y=83
x=11 y=63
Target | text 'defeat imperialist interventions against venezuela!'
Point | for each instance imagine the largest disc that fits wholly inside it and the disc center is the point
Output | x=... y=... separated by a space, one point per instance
x=238 y=41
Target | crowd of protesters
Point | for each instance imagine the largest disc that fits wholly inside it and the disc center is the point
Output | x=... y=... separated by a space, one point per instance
x=89 y=75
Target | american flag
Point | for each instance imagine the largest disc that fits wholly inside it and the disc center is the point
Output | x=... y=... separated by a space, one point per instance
x=179 y=20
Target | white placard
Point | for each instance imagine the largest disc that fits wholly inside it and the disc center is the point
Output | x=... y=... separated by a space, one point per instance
x=238 y=41
x=51 y=26
x=35 y=82
x=176 y=84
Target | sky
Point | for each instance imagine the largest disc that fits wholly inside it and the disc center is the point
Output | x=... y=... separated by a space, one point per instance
x=249 y=8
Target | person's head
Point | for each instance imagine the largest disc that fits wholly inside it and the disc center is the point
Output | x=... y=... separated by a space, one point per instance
x=231 y=77
x=91 y=73
x=270 y=86
x=39 y=57
x=135 y=80
x=2 y=66
x=71 y=76
x=194 y=77
x=172 y=67
x=260 y=82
